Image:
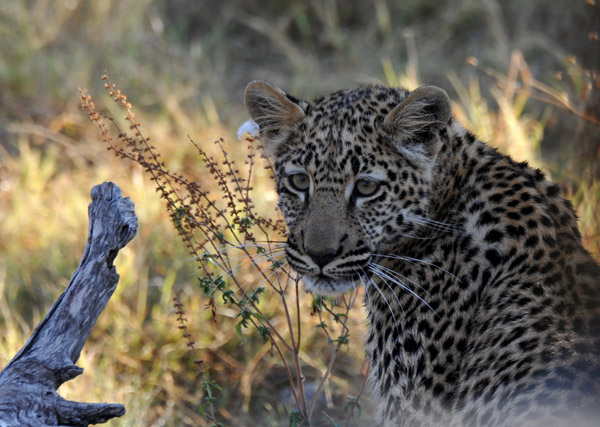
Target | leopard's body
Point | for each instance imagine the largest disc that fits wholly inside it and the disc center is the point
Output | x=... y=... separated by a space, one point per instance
x=483 y=306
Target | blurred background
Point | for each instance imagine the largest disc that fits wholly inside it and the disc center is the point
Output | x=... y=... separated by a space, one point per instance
x=523 y=75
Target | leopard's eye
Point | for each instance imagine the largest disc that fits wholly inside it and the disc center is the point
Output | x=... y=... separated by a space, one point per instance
x=366 y=187
x=299 y=181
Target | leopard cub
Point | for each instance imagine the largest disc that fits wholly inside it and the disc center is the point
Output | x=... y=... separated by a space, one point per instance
x=483 y=306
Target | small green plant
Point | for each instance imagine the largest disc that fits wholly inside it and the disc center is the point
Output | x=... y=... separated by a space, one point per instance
x=240 y=256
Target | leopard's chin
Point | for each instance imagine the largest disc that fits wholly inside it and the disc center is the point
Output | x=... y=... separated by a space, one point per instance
x=324 y=285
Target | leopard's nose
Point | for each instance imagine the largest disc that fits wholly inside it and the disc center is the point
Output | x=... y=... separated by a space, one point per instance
x=324 y=257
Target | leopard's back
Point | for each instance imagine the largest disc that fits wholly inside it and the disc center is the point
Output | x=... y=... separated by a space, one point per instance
x=510 y=331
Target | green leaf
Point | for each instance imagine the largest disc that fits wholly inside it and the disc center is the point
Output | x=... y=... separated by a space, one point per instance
x=264 y=332
x=228 y=296
x=296 y=418
x=220 y=283
x=255 y=294
x=353 y=405
x=277 y=264
x=245 y=222
x=206 y=286
x=238 y=331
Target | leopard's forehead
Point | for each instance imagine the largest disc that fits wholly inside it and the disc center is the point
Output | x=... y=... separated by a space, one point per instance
x=354 y=107
x=341 y=131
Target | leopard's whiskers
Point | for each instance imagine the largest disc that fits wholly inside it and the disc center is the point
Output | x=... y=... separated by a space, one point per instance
x=399 y=276
x=433 y=224
x=409 y=236
x=391 y=290
x=414 y=261
x=371 y=282
x=392 y=277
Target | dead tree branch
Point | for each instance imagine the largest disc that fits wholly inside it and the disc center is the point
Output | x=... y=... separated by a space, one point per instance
x=28 y=383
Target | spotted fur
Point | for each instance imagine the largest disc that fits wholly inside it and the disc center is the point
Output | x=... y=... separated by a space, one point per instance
x=483 y=306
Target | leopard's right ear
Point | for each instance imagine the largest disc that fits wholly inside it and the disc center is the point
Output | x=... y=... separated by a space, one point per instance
x=275 y=113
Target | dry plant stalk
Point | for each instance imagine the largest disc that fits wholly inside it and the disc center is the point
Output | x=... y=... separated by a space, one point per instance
x=529 y=86
x=219 y=230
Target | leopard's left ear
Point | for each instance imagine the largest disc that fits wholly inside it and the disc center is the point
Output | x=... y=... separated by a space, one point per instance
x=414 y=121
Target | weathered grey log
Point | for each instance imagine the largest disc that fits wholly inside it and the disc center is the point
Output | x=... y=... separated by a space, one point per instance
x=28 y=383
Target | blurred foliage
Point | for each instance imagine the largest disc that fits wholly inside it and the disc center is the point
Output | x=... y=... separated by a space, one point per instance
x=185 y=64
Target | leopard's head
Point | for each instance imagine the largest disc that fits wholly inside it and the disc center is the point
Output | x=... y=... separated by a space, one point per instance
x=353 y=172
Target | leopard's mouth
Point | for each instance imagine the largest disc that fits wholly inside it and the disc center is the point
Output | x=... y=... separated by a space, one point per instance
x=325 y=285
x=336 y=277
